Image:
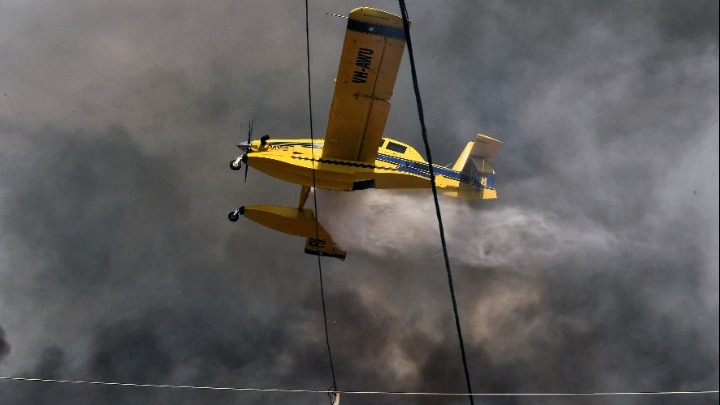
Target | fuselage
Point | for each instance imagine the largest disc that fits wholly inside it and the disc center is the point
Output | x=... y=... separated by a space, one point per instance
x=397 y=166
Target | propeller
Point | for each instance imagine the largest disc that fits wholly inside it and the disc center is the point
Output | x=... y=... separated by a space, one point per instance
x=244 y=157
x=246 y=147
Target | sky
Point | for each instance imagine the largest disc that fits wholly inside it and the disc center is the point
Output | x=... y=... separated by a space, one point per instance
x=594 y=271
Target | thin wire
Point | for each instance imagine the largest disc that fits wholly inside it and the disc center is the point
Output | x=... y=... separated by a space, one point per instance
x=317 y=224
x=406 y=27
x=406 y=393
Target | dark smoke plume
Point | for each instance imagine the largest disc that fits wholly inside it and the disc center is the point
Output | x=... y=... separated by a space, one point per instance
x=596 y=270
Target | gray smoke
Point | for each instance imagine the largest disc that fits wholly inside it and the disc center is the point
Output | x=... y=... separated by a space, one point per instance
x=4 y=346
x=596 y=270
x=393 y=224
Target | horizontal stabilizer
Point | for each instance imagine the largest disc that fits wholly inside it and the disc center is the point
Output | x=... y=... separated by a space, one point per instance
x=486 y=148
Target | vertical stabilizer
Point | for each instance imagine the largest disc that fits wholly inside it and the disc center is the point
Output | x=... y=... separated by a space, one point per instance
x=475 y=163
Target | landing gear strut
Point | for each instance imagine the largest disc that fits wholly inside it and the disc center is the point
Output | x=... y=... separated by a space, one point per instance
x=237 y=163
x=233 y=216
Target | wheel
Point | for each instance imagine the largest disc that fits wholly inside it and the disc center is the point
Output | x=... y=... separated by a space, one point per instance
x=235 y=164
x=233 y=216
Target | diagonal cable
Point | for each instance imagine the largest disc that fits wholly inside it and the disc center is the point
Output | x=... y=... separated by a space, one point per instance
x=317 y=225
x=406 y=27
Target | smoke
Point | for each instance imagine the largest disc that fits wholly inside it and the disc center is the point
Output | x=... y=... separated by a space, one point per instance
x=4 y=346
x=596 y=270
x=392 y=224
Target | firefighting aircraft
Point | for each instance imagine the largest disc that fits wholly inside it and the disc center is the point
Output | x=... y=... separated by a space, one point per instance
x=354 y=154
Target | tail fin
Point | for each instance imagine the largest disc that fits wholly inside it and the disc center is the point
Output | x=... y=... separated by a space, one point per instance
x=475 y=165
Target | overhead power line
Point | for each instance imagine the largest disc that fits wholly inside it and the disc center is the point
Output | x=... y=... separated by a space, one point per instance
x=398 y=393
x=421 y=116
x=317 y=214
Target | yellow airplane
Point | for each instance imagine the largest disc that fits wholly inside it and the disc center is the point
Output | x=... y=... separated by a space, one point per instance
x=354 y=154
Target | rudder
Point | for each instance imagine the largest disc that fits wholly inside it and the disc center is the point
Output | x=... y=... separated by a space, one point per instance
x=475 y=163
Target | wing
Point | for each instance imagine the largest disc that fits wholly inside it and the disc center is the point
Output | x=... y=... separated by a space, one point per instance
x=373 y=48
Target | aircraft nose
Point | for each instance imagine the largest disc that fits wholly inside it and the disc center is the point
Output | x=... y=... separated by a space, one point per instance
x=245 y=146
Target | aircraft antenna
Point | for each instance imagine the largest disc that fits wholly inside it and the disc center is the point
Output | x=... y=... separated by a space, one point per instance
x=335 y=398
x=421 y=116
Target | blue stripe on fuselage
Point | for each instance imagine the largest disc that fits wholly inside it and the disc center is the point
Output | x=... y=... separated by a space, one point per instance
x=423 y=170
x=404 y=165
x=376 y=29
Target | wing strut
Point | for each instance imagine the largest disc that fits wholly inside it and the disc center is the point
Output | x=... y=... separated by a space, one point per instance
x=304 y=194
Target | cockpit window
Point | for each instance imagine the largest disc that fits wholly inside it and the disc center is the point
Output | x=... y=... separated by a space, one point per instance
x=396 y=147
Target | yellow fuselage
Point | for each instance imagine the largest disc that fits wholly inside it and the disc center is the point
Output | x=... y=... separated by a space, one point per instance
x=397 y=165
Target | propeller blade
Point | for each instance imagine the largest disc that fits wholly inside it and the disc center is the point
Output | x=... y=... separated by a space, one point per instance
x=250 y=131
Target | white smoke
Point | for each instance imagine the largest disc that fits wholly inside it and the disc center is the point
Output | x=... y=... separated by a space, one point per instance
x=383 y=223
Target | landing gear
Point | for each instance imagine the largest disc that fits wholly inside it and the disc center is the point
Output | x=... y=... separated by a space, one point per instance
x=237 y=163
x=233 y=216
